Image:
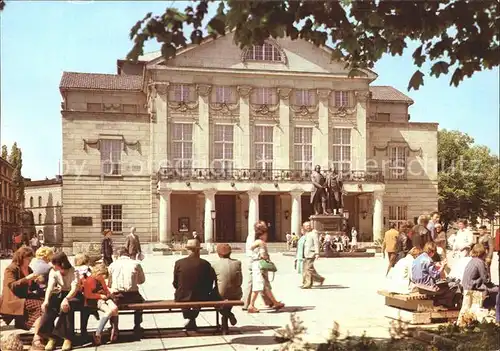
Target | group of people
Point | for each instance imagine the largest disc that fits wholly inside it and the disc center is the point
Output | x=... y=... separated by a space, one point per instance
x=340 y=243
x=418 y=260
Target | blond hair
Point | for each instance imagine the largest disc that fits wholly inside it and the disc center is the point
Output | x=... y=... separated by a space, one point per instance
x=415 y=252
x=99 y=269
x=44 y=253
x=11 y=342
x=81 y=259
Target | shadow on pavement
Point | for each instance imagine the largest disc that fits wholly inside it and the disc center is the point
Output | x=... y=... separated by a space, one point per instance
x=292 y=309
x=328 y=287
x=257 y=340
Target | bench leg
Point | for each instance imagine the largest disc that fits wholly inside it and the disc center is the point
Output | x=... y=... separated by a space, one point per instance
x=217 y=320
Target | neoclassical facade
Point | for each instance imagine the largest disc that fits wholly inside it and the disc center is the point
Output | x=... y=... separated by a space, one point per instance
x=216 y=138
x=10 y=209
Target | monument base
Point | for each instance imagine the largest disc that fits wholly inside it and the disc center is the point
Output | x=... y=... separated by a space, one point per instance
x=331 y=224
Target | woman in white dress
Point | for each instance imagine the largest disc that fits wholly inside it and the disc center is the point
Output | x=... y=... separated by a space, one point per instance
x=399 y=277
x=354 y=239
x=260 y=279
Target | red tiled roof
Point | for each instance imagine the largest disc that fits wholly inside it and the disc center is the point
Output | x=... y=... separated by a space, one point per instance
x=74 y=80
x=388 y=93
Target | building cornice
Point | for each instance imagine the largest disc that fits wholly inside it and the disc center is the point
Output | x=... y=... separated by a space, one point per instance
x=405 y=125
x=68 y=113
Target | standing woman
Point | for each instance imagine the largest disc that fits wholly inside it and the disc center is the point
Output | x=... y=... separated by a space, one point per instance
x=260 y=279
x=19 y=302
x=299 y=258
x=354 y=239
x=62 y=292
x=107 y=247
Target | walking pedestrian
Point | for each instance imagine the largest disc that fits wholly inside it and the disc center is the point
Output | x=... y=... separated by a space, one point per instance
x=311 y=254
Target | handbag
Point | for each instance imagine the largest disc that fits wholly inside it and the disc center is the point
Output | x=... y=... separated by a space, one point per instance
x=267 y=266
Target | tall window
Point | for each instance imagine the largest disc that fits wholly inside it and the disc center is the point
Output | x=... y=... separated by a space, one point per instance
x=304 y=98
x=398 y=215
x=39 y=218
x=112 y=217
x=302 y=148
x=341 y=98
x=39 y=201
x=32 y=204
x=182 y=145
x=265 y=52
x=224 y=95
x=111 y=154
x=182 y=92
x=223 y=146
x=263 y=147
x=264 y=96
x=342 y=149
x=397 y=165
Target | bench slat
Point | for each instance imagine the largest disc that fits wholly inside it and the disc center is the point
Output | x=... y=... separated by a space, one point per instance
x=405 y=297
x=170 y=304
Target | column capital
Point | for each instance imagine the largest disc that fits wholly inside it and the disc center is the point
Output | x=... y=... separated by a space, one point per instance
x=244 y=90
x=284 y=93
x=164 y=191
x=296 y=192
x=204 y=89
x=254 y=192
x=363 y=95
x=378 y=194
x=161 y=88
x=323 y=94
x=209 y=192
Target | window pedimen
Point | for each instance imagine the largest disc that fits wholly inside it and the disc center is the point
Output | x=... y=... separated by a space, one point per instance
x=268 y=52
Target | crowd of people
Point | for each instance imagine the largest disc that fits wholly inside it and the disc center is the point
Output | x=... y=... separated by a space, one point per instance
x=422 y=258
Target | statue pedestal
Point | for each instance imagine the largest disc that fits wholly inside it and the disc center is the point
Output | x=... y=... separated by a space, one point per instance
x=333 y=224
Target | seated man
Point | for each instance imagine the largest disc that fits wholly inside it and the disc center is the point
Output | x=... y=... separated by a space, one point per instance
x=428 y=275
x=229 y=280
x=193 y=281
x=125 y=274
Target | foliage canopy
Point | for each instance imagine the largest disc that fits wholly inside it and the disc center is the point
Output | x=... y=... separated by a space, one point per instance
x=456 y=36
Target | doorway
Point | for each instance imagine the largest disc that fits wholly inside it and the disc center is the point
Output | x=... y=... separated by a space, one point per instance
x=267 y=213
x=225 y=220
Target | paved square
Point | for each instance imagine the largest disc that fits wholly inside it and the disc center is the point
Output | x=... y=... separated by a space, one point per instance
x=348 y=297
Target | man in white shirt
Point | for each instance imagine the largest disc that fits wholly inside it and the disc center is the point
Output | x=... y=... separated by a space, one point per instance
x=247 y=292
x=464 y=239
x=125 y=276
x=311 y=253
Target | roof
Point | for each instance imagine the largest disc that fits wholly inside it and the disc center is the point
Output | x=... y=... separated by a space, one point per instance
x=389 y=94
x=5 y=162
x=74 y=80
x=43 y=182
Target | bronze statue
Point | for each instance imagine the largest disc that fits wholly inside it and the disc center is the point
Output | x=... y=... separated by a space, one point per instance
x=318 y=192
x=334 y=192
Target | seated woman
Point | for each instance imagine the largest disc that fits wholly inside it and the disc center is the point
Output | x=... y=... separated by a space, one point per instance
x=478 y=289
x=98 y=296
x=399 y=277
x=61 y=296
x=41 y=265
x=18 y=300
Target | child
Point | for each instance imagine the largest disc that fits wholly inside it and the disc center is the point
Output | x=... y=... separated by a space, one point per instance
x=98 y=296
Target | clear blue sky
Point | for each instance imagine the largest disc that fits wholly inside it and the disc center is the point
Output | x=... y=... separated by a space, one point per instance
x=40 y=40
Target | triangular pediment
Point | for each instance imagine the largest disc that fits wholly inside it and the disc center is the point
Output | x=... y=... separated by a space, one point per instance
x=222 y=53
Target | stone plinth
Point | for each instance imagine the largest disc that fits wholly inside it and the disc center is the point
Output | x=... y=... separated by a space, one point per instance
x=333 y=224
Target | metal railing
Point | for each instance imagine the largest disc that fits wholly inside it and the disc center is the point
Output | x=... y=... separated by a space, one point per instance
x=260 y=175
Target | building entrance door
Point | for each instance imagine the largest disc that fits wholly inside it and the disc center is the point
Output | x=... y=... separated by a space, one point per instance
x=225 y=220
x=267 y=213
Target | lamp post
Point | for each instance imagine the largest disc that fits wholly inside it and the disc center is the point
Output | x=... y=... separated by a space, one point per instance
x=213 y=214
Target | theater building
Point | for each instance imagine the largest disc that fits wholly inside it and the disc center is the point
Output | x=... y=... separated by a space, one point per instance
x=216 y=138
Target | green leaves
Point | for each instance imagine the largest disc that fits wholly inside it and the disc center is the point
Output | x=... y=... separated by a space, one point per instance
x=416 y=80
x=452 y=33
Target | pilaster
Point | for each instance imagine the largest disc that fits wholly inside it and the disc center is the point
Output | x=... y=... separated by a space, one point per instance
x=158 y=109
x=202 y=138
x=359 y=136
x=242 y=131
x=321 y=135
x=283 y=143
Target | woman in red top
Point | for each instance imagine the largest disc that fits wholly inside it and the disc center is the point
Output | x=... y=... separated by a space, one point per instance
x=98 y=296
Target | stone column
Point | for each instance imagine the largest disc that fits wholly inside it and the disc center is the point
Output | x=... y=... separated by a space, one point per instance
x=253 y=209
x=242 y=130
x=378 y=214
x=165 y=220
x=202 y=129
x=296 y=214
x=209 y=206
x=284 y=130
x=359 y=136
x=322 y=134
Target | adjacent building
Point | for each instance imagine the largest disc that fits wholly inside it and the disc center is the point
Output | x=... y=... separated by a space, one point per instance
x=216 y=138
x=10 y=218
x=43 y=199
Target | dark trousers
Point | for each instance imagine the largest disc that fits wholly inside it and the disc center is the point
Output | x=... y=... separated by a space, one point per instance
x=65 y=326
x=107 y=260
x=123 y=298
x=190 y=313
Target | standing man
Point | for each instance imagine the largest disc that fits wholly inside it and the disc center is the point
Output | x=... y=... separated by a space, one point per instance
x=390 y=244
x=487 y=241
x=432 y=224
x=125 y=276
x=420 y=234
x=133 y=245
x=311 y=253
x=463 y=240
x=247 y=293
x=194 y=280
x=318 y=192
x=229 y=280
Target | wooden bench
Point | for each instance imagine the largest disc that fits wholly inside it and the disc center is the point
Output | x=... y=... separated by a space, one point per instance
x=414 y=301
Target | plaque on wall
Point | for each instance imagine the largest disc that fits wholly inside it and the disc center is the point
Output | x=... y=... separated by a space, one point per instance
x=81 y=221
